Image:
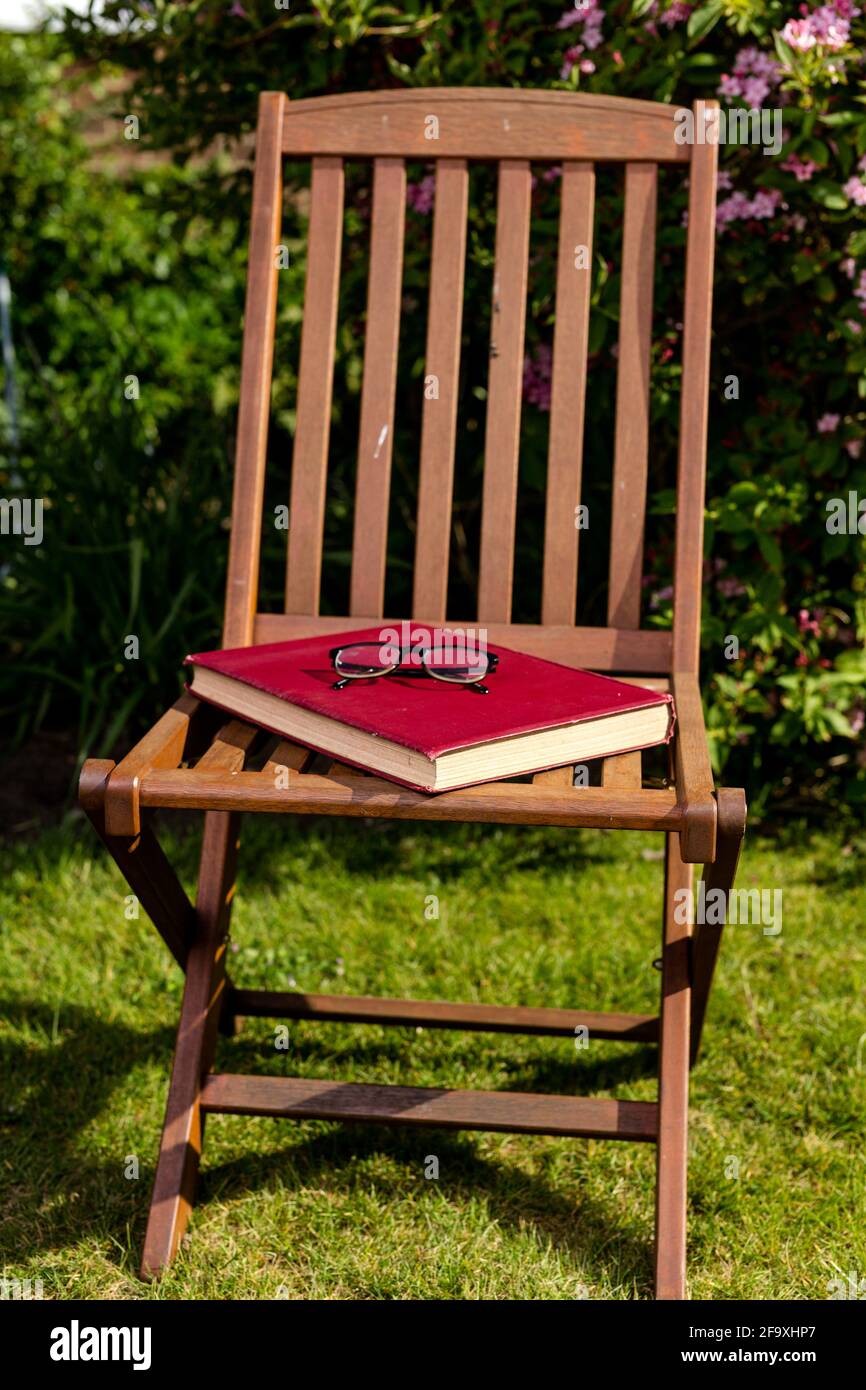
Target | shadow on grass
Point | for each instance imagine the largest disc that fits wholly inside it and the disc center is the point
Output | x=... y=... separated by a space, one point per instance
x=56 y=1194
x=370 y=848
x=514 y=1198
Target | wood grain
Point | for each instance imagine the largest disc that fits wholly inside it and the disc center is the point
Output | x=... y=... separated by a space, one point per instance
x=483 y=123
x=442 y=372
x=596 y=648
x=256 y=366
x=180 y=1148
x=694 y=403
x=376 y=442
x=568 y=395
x=672 y=1156
x=622 y=772
x=631 y=435
x=292 y=1098
x=161 y=746
x=504 y=392
x=315 y=388
x=494 y=803
x=471 y=1018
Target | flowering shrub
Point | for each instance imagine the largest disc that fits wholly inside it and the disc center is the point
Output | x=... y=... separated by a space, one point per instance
x=787 y=420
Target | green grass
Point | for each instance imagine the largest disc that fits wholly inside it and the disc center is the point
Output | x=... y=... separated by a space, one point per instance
x=88 y=1009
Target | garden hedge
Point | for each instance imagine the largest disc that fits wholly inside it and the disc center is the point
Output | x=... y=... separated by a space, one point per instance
x=138 y=272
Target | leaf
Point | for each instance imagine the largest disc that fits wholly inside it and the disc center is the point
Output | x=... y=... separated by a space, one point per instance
x=835 y=118
x=785 y=52
x=837 y=722
x=703 y=20
x=828 y=194
x=770 y=549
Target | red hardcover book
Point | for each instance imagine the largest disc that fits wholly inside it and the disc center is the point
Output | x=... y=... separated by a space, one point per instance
x=426 y=733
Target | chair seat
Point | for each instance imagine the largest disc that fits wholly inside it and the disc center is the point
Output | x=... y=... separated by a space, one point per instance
x=240 y=768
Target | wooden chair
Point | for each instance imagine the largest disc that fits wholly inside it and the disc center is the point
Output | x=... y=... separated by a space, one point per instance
x=183 y=762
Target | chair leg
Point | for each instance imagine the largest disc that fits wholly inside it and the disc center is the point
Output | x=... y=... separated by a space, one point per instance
x=674 y=1024
x=720 y=874
x=143 y=865
x=183 y=1131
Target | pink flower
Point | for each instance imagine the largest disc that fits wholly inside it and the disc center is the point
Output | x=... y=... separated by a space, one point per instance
x=855 y=191
x=587 y=65
x=738 y=207
x=730 y=587
x=570 y=57
x=828 y=27
x=420 y=196
x=674 y=14
x=754 y=74
x=808 y=622
x=798 y=35
x=848 y=266
x=853 y=326
x=854 y=448
x=802 y=169
x=569 y=18
x=828 y=423
x=590 y=14
x=537 y=372
x=661 y=596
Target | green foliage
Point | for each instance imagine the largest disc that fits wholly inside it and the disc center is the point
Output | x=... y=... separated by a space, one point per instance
x=145 y=275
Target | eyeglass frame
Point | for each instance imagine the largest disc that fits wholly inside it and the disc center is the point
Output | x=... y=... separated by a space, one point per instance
x=492 y=659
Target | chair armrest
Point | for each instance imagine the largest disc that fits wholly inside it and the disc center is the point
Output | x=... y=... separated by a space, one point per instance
x=162 y=747
x=694 y=776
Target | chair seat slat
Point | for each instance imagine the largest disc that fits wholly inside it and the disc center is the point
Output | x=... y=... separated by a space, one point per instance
x=229 y=749
x=622 y=772
x=555 y=777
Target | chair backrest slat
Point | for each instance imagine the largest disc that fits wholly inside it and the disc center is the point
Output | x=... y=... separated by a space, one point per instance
x=631 y=436
x=504 y=391
x=376 y=438
x=482 y=123
x=256 y=367
x=315 y=387
x=568 y=393
x=441 y=381
x=694 y=402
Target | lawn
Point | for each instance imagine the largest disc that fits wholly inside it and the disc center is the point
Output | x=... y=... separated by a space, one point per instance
x=88 y=1009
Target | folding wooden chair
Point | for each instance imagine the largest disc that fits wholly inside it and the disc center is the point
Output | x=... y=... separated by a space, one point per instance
x=181 y=762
